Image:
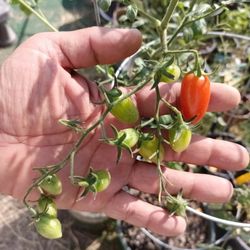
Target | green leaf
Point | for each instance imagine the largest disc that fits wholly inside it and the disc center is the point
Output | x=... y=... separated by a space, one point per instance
x=114 y=94
x=104 y=4
x=132 y=12
x=188 y=34
x=166 y=120
x=14 y=2
x=199 y=27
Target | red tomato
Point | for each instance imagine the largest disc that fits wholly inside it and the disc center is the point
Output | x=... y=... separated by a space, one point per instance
x=195 y=96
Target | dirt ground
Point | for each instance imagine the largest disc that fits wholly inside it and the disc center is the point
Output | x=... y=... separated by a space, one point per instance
x=18 y=233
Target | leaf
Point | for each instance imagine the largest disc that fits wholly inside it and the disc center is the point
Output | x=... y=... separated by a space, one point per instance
x=168 y=63
x=104 y=4
x=132 y=12
x=166 y=119
x=114 y=94
x=188 y=34
x=218 y=11
x=139 y=62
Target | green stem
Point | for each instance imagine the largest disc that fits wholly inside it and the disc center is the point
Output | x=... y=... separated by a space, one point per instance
x=156 y=22
x=183 y=22
x=171 y=7
x=205 y=15
x=164 y=23
x=174 y=109
x=44 y=20
x=192 y=5
x=196 y=55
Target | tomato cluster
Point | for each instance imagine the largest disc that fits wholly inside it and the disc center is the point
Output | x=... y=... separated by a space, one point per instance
x=194 y=99
x=46 y=221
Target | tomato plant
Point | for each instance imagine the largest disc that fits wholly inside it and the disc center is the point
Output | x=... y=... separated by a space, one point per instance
x=194 y=97
x=156 y=61
x=48 y=226
x=126 y=111
x=52 y=185
x=179 y=138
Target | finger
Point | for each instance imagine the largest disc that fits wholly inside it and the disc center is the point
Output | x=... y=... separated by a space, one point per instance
x=201 y=187
x=142 y=214
x=90 y=46
x=223 y=97
x=211 y=152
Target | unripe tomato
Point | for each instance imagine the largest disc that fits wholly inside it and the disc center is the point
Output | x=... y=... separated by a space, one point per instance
x=47 y=205
x=173 y=70
x=183 y=139
x=149 y=148
x=194 y=97
x=131 y=138
x=52 y=185
x=49 y=227
x=103 y=180
x=126 y=111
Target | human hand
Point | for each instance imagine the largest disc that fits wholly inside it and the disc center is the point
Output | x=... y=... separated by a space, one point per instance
x=38 y=87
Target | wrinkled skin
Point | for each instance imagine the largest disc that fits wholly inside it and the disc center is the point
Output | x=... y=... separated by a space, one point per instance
x=38 y=87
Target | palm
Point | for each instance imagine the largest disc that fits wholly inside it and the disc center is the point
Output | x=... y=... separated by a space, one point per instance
x=45 y=94
x=39 y=90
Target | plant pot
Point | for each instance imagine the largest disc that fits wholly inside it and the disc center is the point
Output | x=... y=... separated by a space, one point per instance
x=237 y=243
x=93 y=222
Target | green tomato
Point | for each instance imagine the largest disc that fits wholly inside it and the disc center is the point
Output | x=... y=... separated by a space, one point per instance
x=180 y=142
x=126 y=111
x=49 y=227
x=47 y=205
x=149 y=148
x=173 y=70
x=52 y=185
x=103 y=180
x=131 y=138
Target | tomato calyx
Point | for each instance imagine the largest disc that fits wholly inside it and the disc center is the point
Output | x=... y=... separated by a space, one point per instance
x=176 y=205
x=165 y=122
x=74 y=124
x=96 y=181
x=46 y=205
x=113 y=94
x=123 y=139
x=167 y=72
